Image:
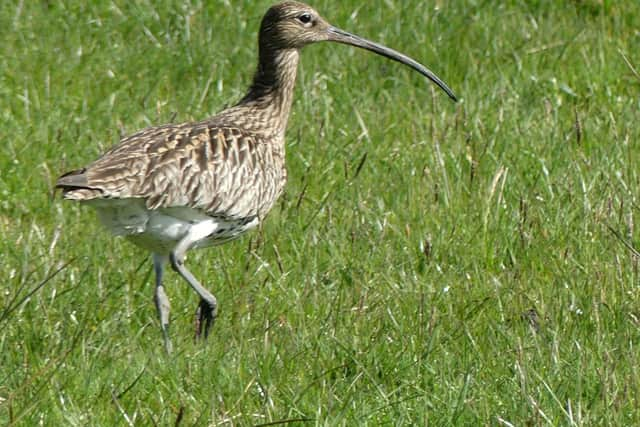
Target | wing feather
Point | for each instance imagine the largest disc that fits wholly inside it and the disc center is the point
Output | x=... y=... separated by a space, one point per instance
x=221 y=170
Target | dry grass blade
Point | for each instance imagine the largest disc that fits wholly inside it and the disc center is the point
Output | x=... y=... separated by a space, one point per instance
x=622 y=240
x=13 y=304
x=287 y=421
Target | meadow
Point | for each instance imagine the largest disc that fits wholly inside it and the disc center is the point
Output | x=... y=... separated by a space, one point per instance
x=431 y=262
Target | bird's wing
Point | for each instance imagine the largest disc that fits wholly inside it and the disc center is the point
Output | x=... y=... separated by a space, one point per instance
x=220 y=170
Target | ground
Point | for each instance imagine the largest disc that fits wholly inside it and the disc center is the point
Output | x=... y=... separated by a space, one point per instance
x=430 y=263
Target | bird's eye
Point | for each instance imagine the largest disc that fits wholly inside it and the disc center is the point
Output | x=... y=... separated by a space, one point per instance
x=305 y=18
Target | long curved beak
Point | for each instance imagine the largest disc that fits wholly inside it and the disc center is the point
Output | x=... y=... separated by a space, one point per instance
x=341 y=36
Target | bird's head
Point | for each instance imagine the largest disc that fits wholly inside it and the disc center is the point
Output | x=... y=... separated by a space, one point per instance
x=293 y=25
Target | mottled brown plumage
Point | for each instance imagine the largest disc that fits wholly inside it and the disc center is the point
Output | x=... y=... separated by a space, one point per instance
x=215 y=168
x=173 y=187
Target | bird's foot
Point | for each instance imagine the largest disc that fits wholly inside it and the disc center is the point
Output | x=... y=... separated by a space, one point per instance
x=168 y=347
x=205 y=317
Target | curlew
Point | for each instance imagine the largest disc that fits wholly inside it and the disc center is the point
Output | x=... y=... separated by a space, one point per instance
x=175 y=187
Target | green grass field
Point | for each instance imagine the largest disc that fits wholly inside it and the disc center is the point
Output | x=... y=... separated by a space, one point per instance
x=431 y=263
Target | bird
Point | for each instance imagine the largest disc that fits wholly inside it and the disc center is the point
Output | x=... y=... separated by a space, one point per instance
x=176 y=187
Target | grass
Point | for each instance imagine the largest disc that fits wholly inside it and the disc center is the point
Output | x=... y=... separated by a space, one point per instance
x=430 y=263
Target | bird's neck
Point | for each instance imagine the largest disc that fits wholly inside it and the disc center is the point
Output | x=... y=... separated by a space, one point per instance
x=268 y=101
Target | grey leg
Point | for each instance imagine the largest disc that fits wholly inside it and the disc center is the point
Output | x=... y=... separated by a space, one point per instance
x=161 y=300
x=208 y=308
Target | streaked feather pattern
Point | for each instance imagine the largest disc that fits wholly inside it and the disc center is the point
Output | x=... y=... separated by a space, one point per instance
x=220 y=170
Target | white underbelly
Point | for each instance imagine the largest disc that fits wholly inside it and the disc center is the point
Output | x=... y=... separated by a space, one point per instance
x=160 y=230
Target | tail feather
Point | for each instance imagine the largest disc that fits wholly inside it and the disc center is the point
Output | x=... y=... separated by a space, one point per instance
x=75 y=186
x=73 y=179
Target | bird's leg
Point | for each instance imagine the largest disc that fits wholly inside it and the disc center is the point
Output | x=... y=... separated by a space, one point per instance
x=208 y=308
x=161 y=300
